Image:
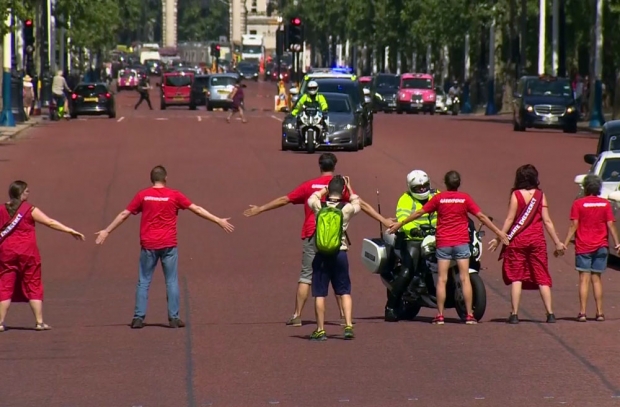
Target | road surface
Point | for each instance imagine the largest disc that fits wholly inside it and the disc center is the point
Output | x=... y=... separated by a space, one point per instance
x=238 y=290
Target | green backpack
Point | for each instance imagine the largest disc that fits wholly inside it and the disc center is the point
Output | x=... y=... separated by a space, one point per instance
x=329 y=222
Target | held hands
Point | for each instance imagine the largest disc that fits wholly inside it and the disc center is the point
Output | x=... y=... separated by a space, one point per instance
x=394 y=228
x=617 y=247
x=559 y=249
x=388 y=222
x=503 y=237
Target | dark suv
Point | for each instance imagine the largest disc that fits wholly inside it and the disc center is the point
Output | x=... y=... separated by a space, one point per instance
x=544 y=102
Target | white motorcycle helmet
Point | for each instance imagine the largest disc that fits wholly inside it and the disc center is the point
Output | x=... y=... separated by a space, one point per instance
x=313 y=88
x=419 y=184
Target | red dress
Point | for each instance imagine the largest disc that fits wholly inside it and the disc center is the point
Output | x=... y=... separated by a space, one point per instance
x=20 y=261
x=525 y=258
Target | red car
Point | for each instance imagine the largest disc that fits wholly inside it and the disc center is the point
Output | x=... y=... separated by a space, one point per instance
x=176 y=89
x=416 y=93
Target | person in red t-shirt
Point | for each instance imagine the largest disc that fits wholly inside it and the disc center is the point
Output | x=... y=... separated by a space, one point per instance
x=158 y=240
x=452 y=238
x=592 y=218
x=299 y=196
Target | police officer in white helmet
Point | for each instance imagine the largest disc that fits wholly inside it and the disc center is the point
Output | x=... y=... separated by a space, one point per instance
x=418 y=193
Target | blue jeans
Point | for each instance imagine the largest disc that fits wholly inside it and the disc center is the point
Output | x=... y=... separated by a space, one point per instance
x=148 y=261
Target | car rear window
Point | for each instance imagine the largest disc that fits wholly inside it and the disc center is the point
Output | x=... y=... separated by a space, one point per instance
x=338 y=105
x=90 y=89
x=223 y=80
x=201 y=81
x=347 y=87
x=178 y=80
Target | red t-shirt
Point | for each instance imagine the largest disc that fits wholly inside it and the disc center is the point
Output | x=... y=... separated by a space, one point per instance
x=452 y=208
x=300 y=195
x=159 y=207
x=592 y=213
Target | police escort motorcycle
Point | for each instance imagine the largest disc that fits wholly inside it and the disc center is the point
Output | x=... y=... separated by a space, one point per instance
x=382 y=256
x=310 y=127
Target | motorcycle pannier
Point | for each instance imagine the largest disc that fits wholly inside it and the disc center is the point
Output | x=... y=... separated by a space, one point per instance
x=374 y=255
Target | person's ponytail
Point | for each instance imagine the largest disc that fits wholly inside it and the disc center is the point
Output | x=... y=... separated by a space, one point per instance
x=16 y=189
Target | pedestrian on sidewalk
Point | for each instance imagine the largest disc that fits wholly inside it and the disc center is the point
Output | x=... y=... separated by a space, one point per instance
x=20 y=261
x=331 y=263
x=299 y=196
x=143 y=90
x=237 y=98
x=591 y=220
x=525 y=262
x=28 y=94
x=159 y=206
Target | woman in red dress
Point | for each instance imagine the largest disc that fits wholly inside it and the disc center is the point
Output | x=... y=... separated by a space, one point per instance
x=20 y=261
x=237 y=98
x=525 y=264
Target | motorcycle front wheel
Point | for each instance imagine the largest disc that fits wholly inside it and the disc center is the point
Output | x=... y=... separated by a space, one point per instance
x=310 y=141
x=479 y=300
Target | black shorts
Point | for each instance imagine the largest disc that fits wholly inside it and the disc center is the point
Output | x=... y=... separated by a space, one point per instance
x=334 y=269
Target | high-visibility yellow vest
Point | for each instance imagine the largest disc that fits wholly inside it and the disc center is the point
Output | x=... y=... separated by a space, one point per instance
x=407 y=205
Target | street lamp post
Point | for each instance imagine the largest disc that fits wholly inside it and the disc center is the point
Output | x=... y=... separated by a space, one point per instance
x=46 y=80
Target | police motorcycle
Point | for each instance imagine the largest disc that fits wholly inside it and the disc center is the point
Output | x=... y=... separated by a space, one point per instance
x=310 y=127
x=383 y=256
x=455 y=105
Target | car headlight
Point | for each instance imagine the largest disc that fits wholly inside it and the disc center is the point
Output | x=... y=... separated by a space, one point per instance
x=529 y=108
x=348 y=126
x=570 y=109
x=290 y=126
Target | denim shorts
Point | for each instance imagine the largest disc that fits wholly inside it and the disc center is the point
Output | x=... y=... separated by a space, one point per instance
x=459 y=252
x=595 y=262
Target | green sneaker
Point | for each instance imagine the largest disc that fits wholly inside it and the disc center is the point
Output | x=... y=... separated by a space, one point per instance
x=294 y=321
x=348 y=332
x=318 y=335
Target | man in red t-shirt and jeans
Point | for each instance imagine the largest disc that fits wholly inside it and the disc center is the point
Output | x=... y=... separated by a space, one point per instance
x=300 y=196
x=452 y=238
x=592 y=217
x=158 y=238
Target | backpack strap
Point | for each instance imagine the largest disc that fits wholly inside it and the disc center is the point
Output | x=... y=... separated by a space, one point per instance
x=341 y=205
x=323 y=204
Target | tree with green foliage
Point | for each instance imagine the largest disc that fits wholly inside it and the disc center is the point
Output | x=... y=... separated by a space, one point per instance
x=21 y=10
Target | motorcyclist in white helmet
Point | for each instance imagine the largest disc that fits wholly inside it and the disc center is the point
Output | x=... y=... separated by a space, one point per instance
x=312 y=96
x=418 y=193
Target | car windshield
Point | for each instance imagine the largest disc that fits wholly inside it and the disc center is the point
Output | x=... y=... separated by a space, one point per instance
x=90 y=89
x=417 y=83
x=338 y=105
x=387 y=81
x=129 y=74
x=610 y=170
x=251 y=49
x=539 y=87
x=178 y=80
x=247 y=66
x=223 y=81
x=350 y=88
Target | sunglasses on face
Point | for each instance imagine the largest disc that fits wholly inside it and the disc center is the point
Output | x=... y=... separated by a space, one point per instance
x=421 y=188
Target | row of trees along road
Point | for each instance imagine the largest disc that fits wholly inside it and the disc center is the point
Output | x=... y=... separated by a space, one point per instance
x=412 y=27
x=100 y=25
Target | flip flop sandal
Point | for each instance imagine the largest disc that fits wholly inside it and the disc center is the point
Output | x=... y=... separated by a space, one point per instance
x=581 y=318
x=2 y=328
x=600 y=317
x=42 y=327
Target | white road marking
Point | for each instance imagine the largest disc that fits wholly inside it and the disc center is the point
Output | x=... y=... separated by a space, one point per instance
x=121 y=119
x=277 y=118
x=161 y=118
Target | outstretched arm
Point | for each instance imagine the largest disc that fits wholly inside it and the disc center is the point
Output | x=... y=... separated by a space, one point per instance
x=276 y=203
x=370 y=211
x=409 y=218
x=43 y=219
x=103 y=234
x=205 y=214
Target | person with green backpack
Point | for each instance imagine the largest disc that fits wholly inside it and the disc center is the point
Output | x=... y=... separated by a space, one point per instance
x=331 y=263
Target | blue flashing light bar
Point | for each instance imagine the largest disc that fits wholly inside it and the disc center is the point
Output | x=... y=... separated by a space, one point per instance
x=342 y=69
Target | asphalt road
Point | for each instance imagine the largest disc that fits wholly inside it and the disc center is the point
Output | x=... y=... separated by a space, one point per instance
x=237 y=290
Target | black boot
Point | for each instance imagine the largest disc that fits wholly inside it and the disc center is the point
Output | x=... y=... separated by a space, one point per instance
x=390 y=315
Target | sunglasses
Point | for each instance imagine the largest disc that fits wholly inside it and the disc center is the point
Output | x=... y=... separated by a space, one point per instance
x=421 y=188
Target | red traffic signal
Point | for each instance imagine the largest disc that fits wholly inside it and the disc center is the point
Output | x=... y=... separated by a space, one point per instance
x=28 y=23
x=217 y=47
x=296 y=21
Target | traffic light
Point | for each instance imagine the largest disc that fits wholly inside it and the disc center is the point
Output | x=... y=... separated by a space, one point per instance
x=295 y=34
x=28 y=33
x=215 y=50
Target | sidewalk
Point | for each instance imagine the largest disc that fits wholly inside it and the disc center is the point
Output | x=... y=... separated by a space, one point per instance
x=9 y=133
